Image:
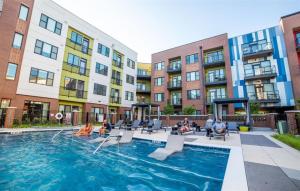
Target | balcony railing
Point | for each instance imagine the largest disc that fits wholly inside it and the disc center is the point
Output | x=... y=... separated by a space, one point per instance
x=144 y=75
x=258 y=73
x=213 y=60
x=79 y=47
x=172 y=85
x=73 y=93
x=174 y=69
x=143 y=90
x=175 y=102
x=117 y=64
x=115 y=100
x=256 y=49
x=116 y=81
x=215 y=79
x=266 y=96
x=210 y=99
x=76 y=69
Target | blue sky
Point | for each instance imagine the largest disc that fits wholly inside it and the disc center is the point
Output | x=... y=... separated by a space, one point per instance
x=149 y=26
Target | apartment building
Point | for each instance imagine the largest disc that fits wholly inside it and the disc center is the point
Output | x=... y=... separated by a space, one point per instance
x=262 y=66
x=143 y=85
x=54 y=61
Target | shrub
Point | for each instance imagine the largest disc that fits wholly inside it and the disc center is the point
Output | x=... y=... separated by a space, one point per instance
x=168 y=109
x=189 y=110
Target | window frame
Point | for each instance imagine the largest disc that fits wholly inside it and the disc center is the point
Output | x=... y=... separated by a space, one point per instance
x=37 y=76
x=162 y=97
x=130 y=63
x=105 y=49
x=21 y=6
x=14 y=71
x=189 y=76
x=98 y=89
x=98 y=69
x=129 y=79
x=13 y=43
x=156 y=80
x=189 y=93
x=56 y=28
x=52 y=52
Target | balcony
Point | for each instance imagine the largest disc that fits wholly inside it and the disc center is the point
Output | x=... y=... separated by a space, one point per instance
x=213 y=80
x=145 y=90
x=73 y=93
x=116 y=81
x=115 y=100
x=264 y=97
x=260 y=73
x=143 y=76
x=175 y=85
x=76 y=69
x=210 y=99
x=173 y=69
x=298 y=44
x=176 y=102
x=213 y=61
x=79 y=47
x=256 y=49
x=117 y=63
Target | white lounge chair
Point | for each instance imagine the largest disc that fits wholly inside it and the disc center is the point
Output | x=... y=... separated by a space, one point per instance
x=174 y=144
x=113 y=133
x=126 y=137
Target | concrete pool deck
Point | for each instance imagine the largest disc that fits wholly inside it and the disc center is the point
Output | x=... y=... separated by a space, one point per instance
x=256 y=161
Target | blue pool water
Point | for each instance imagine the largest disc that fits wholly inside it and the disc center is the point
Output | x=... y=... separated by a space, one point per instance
x=30 y=161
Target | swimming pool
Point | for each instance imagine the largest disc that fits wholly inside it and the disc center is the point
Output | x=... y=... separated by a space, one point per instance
x=30 y=161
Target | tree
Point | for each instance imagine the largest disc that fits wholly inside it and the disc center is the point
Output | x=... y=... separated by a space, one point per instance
x=254 y=108
x=189 y=110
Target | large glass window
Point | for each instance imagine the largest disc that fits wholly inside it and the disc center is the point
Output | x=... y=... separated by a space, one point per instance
x=76 y=38
x=129 y=96
x=159 y=66
x=104 y=50
x=192 y=76
x=190 y=59
x=159 y=97
x=129 y=79
x=23 y=12
x=35 y=112
x=17 y=43
x=159 y=81
x=130 y=63
x=45 y=49
x=11 y=71
x=193 y=94
x=214 y=56
x=99 y=89
x=41 y=77
x=101 y=69
x=50 y=24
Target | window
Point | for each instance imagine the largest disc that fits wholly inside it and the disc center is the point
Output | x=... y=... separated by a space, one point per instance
x=50 y=24
x=17 y=43
x=129 y=96
x=192 y=76
x=214 y=56
x=298 y=39
x=45 y=49
x=5 y=103
x=104 y=50
x=99 y=89
x=36 y=110
x=193 y=94
x=190 y=59
x=11 y=71
x=158 y=97
x=130 y=63
x=23 y=12
x=159 y=66
x=73 y=60
x=101 y=69
x=159 y=81
x=42 y=77
x=129 y=79
x=142 y=72
x=76 y=38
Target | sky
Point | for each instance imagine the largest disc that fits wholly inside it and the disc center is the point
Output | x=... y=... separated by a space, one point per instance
x=149 y=26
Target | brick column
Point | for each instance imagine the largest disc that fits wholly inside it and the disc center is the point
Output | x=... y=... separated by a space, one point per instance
x=9 y=117
x=75 y=118
x=291 y=121
x=271 y=120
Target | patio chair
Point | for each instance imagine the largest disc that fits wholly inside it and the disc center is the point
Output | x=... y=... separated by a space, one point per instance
x=215 y=133
x=118 y=125
x=232 y=127
x=174 y=144
x=134 y=125
x=156 y=126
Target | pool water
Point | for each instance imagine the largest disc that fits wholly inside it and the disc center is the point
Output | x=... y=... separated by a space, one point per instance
x=30 y=161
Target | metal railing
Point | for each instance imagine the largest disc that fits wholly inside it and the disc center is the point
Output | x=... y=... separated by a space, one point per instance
x=260 y=71
x=144 y=89
x=116 y=100
x=175 y=84
x=210 y=99
x=256 y=47
x=214 y=78
x=144 y=74
x=79 y=47
x=116 y=81
x=117 y=64
x=174 y=68
x=264 y=96
x=211 y=59
x=74 y=93
x=76 y=69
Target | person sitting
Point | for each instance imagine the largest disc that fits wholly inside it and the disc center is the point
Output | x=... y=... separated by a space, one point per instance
x=219 y=126
x=105 y=127
x=208 y=126
x=185 y=126
x=84 y=131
